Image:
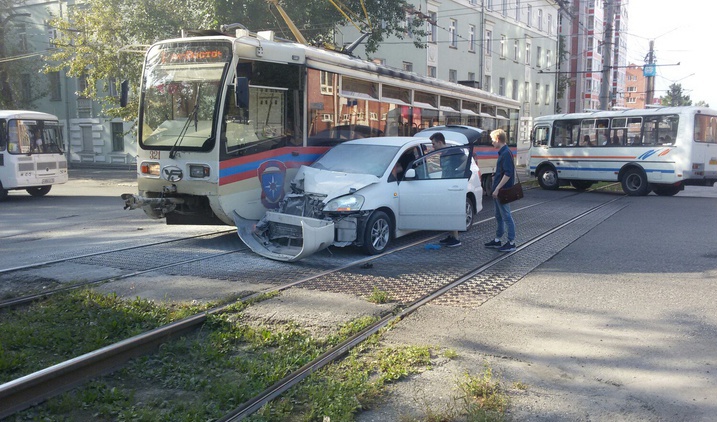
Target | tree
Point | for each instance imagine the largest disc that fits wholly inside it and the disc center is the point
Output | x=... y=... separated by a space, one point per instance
x=18 y=87
x=675 y=97
x=702 y=103
x=95 y=39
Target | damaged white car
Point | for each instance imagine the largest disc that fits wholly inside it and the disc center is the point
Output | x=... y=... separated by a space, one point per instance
x=366 y=193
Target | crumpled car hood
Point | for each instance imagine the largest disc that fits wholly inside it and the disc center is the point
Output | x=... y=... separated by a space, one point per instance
x=331 y=183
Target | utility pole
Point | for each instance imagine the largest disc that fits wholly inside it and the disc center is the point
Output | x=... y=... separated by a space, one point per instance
x=649 y=72
x=607 y=55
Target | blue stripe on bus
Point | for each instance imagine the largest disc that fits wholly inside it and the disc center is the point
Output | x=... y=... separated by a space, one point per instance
x=614 y=170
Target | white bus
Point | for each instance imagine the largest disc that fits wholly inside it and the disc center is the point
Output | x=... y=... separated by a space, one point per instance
x=31 y=152
x=659 y=150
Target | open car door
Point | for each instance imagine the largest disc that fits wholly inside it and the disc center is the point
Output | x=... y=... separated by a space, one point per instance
x=433 y=192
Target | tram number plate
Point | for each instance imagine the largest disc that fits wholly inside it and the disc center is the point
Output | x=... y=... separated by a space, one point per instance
x=153 y=155
x=44 y=181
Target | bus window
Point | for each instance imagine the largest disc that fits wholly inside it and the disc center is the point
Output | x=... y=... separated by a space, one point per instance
x=634 y=128
x=660 y=130
x=565 y=133
x=541 y=136
x=705 y=128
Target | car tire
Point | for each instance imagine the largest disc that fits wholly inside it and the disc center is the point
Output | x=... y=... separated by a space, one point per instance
x=634 y=183
x=548 y=178
x=39 y=191
x=377 y=233
x=470 y=213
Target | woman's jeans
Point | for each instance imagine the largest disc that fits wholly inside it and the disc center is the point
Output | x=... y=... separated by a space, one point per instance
x=504 y=220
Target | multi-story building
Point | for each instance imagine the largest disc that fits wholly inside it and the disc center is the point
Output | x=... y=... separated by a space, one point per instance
x=90 y=137
x=635 y=93
x=586 y=36
x=506 y=47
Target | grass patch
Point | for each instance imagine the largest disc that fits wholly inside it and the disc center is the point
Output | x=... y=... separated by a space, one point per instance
x=71 y=324
x=379 y=296
x=483 y=397
x=204 y=375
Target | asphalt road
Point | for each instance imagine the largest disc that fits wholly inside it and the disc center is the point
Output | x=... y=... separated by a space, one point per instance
x=619 y=326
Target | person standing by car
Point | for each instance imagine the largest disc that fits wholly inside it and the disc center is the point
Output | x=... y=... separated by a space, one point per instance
x=447 y=164
x=504 y=176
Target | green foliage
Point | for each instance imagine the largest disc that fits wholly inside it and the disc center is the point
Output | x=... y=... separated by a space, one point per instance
x=483 y=397
x=103 y=40
x=379 y=296
x=675 y=97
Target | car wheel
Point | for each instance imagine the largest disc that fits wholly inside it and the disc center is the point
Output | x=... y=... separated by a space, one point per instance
x=470 y=213
x=39 y=191
x=634 y=183
x=581 y=184
x=377 y=233
x=548 y=178
x=666 y=190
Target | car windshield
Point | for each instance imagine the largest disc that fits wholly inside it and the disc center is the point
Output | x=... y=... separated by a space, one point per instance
x=357 y=159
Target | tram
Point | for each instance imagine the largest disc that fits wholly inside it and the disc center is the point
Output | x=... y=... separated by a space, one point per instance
x=226 y=121
x=31 y=152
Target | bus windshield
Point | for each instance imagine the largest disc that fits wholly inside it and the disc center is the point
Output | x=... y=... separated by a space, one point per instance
x=34 y=137
x=180 y=90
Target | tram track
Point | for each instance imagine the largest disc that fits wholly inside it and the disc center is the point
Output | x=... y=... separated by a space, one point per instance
x=39 y=386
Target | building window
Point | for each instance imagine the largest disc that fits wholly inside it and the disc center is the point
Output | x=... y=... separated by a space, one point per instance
x=25 y=87
x=431 y=71
x=487 y=85
x=489 y=4
x=471 y=76
x=537 y=93
x=112 y=87
x=452 y=75
x=117 y=136
x=547 y=94
x=472 y=38
x=409 y=30
x=550 y=24
x=540 y=19
x=22 y=34
x=515 y=89
x=538 y=56
x=453 y=33
x=326 y=82
x=55 y=86
x=505 y=8
x=408 y=66
x=516 y=52
x=526 y=91
x=530 y=15
x=488 y=43
x=631 y=100
x=517 y=10
x=432 y=27
x=501 y=86
x=548 y=59
x=631 y=89
x=527 y=52
x=503 y=40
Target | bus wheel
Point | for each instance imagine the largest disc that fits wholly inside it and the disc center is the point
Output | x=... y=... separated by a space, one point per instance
x=39 y=191
x=377 y=233
x=581 y=184
x=470 y=212
x=666 y=190
x=548 y=178
x=634 y=183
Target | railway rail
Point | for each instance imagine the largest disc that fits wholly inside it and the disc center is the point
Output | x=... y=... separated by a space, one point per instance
x=462 y=280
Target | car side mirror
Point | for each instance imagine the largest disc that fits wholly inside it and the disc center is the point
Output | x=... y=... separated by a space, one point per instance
x=410 y=174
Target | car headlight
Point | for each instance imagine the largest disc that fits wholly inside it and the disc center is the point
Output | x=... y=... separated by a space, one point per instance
x=345 y=203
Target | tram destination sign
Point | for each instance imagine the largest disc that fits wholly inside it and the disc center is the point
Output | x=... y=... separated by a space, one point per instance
x=194 y=53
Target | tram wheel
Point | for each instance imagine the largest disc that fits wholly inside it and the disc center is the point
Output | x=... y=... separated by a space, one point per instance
x=548 y=178
x=377 y=233
x=39 y=191
x=634 y=183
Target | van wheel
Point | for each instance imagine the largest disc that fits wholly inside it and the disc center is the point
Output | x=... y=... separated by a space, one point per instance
x=634 y=183
x=666 y=190
x=39 y=191
x=377 y=233
x=548 y=178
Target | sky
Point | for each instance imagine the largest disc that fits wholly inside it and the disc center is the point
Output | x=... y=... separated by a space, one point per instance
x=682 y=32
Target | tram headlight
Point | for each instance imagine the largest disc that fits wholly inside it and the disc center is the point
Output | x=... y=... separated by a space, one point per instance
x=345 y=203
x=151 y=169
x=198 y=171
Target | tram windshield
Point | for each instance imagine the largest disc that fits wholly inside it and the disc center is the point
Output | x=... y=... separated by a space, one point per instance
x=34 y=137
x=180 y=91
